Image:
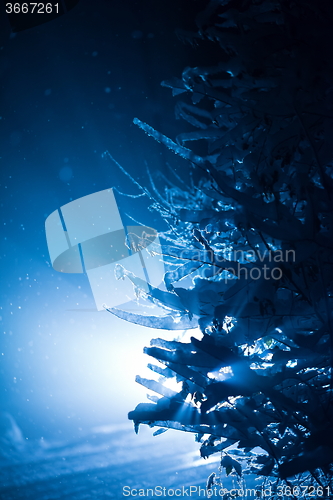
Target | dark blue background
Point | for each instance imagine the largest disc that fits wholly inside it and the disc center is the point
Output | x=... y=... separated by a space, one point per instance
x=70 y=89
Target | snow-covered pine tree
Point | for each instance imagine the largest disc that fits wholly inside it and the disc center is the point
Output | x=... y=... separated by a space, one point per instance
x=255 y=229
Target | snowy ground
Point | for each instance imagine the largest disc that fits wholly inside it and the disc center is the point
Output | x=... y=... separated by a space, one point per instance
x=102 y=463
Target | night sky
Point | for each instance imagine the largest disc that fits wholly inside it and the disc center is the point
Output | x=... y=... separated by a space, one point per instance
x=70 y=89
